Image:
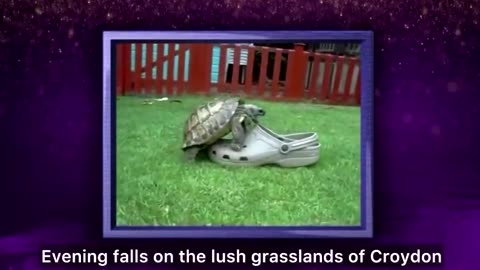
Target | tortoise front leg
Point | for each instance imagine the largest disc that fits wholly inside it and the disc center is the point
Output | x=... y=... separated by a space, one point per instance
x=239 y=133
x=191 y=153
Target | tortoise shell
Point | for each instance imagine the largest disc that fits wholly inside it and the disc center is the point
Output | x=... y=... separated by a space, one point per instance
x=209 y=122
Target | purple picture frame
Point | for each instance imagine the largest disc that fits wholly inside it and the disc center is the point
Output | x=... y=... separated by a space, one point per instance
x=365 y=229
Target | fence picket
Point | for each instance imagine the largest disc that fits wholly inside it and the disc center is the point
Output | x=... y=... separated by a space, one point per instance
x=263 y=72
x=297 y=77
x=312 y=86
x=159 y=74
x=181 y=69
x=290 y=67
x=170 y=74
x=276 y=73
x=148 y=68
x=222 y=69
x=352 y=62
x=249 y=76
x=138 y=68
x=236 y=69
x=327 y=73
x=338 y=77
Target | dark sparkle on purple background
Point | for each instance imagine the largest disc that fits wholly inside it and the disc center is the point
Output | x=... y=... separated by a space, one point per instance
x=427 y=110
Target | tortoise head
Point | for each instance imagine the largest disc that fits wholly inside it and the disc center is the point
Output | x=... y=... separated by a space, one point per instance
x=253 y=110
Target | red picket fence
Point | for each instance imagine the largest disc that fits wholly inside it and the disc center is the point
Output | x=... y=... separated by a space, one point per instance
x=308 y=75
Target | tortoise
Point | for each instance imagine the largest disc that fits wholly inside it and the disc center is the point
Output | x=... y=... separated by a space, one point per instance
x=213 y=120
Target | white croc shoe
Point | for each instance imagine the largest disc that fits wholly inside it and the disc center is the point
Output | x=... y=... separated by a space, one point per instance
x=263 y=146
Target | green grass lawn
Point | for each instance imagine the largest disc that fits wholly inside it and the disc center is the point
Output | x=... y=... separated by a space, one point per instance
x=156 y=187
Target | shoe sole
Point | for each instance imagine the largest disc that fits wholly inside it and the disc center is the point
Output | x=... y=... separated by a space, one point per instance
x=299 y=158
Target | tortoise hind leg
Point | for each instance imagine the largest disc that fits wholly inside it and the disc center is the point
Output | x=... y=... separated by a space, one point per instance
x=191 y=153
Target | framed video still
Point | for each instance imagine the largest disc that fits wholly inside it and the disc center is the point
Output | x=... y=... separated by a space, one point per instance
x=240 y=134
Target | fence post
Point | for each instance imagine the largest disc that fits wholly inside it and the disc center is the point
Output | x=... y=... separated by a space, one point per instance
x=120 y=70
x=200 y=67
x=127 y=67
x=297 y=75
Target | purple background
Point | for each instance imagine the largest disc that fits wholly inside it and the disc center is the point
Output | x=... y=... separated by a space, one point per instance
x=427 y=106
